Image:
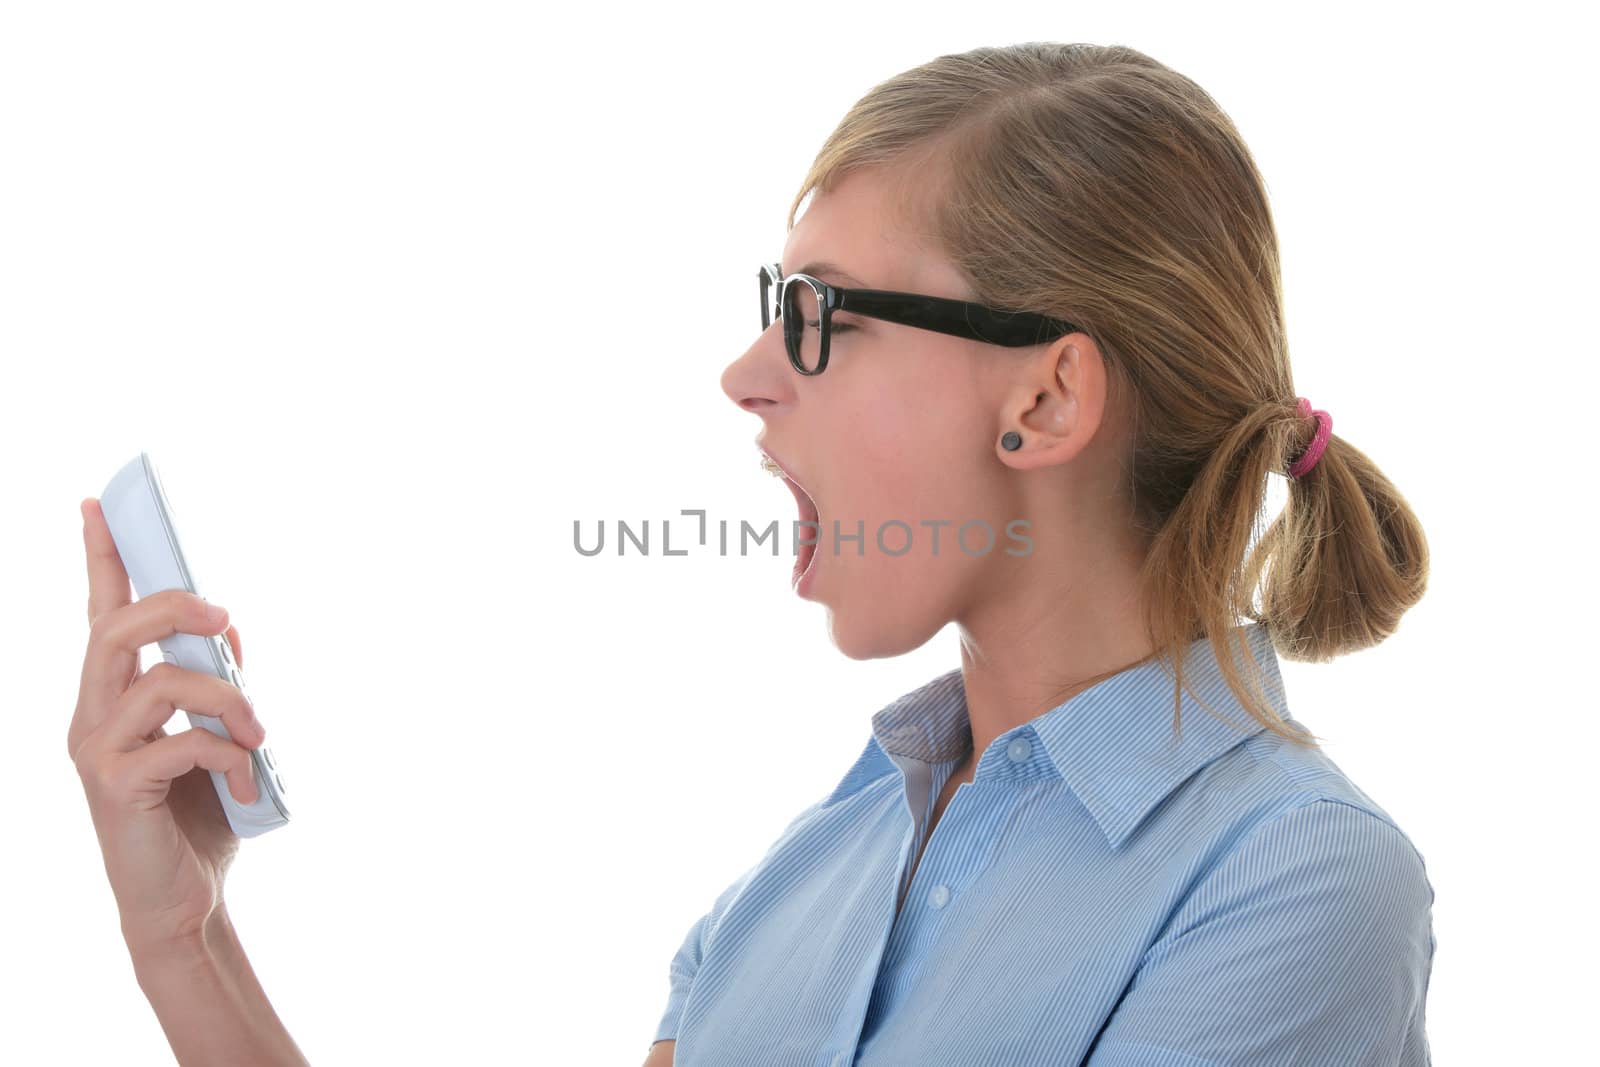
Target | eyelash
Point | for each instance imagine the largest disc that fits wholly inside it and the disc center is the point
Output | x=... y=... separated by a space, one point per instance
x=834 y=328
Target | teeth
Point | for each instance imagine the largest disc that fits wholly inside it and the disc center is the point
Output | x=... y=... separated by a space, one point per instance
x=776 y=471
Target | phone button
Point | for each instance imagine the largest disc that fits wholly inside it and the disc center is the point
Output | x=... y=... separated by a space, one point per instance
x=170 y=657
x=281 y=787
x=266 y=754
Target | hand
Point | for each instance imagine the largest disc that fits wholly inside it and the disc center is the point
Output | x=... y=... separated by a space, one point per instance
x=166 y=842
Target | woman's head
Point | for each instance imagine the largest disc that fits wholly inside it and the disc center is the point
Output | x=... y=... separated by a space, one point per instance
x=1094 y=185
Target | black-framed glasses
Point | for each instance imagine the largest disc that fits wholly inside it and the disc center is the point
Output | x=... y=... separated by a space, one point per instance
x=798 y=298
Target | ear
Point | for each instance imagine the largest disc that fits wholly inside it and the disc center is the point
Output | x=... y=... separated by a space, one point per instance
x=1056 y=403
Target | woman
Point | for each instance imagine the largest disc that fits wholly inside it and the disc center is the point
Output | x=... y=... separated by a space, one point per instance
x=1134 y=863
x=1059 y=852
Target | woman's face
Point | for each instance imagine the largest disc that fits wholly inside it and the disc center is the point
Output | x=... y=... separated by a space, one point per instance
x=897 y=436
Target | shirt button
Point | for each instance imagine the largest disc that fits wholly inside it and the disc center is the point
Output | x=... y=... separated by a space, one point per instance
x=1019 y=750
x=939 y=896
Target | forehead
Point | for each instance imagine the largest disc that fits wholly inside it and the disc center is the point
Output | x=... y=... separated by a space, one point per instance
x=854 y=228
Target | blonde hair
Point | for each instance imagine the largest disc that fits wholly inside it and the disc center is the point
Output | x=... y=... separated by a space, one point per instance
x=1095 y=184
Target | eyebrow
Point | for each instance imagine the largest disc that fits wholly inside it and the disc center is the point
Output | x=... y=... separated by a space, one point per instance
x=822 y=267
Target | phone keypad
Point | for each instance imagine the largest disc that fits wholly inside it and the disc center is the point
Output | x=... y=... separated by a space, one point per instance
x=225 y=650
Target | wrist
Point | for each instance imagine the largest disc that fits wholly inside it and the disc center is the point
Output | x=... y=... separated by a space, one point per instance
x=182 y=947
x=210 y=1004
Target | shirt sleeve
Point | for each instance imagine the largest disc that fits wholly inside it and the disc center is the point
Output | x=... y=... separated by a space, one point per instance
x=685 y=962
x=681 y=971
x=1310 y=943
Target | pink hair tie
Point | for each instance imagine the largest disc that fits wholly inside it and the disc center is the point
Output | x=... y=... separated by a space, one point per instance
x=1313 y=452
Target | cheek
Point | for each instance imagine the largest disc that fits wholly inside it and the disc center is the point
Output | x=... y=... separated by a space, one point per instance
x=908 y=501
x=915 y=466
x=908 y=450
x=901 y=428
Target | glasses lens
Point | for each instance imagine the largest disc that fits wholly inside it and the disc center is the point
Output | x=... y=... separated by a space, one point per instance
x=802 y=330
x=769 y=297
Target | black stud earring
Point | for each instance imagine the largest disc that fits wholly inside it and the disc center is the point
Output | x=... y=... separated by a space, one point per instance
x=1011 y=440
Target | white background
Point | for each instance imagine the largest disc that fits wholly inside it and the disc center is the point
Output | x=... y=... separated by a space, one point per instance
x=361 y=279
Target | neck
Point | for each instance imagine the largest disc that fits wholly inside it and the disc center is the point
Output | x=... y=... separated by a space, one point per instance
x=1057 y=627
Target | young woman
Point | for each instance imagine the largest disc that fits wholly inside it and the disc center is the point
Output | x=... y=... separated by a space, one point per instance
x=1036 y=289
x=1024 y=366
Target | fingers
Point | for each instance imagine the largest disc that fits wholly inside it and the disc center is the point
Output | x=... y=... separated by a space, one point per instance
x=144 y=775
x=238 y=646
x=108 y=580
x=161 y=691
x=115 y=638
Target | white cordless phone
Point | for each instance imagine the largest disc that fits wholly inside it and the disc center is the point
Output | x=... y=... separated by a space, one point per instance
x=140 y=517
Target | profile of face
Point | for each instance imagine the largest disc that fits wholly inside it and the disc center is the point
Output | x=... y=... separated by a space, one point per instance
x=902 y=432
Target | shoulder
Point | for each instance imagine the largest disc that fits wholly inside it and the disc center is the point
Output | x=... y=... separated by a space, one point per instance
x=1304 y=775
x=1294 y=809
x=1300 y=918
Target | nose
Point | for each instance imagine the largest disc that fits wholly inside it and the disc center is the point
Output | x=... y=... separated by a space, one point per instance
x=761 y=378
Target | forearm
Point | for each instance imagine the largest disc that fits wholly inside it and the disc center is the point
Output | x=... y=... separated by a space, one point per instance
x=211 y=1005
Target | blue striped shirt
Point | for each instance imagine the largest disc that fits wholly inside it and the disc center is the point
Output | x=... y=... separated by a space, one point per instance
x=1100 y=893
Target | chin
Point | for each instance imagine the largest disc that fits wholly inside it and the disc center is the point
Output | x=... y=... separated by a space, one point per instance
x=874 y=634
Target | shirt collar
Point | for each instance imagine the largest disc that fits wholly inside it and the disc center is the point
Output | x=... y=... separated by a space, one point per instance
x=1113 y=743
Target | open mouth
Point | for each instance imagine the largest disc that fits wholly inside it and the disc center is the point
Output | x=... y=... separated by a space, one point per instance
x=806 y=555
